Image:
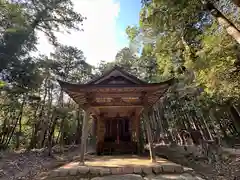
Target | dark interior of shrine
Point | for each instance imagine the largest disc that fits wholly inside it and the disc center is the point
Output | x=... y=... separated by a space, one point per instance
x=117 y=137
x=117 y=130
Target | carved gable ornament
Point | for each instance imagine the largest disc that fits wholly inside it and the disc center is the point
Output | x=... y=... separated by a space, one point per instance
x=116 y=76
x=116 y=80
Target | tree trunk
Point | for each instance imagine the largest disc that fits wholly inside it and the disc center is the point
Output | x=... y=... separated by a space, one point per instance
x=165 y=121
x=17 y=121
x=149 y=135
x=51 y=133
x=47 y=120
x=40 y=120
x=35 y=127
x=8 y=128
x=235 y=118
x=231 y=29
x=19 y=133
x=4 y=129
x=237 y=110
x=212 y=116
x=61 y=135
x=159 y=130
x=160 y=120
x=207 y=128
x=237 y=3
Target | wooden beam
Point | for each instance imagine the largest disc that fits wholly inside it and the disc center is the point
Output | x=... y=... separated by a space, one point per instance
x=150 y=88
x=117 y=94
x=84 y=135
x=108 y=95
x=149 y=134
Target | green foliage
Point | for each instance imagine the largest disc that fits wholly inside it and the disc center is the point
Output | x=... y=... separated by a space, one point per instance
x=182 y=39
x=176 y=38
x=33 y=109
x=69 y=64
x=2 y=84
x=132 y=32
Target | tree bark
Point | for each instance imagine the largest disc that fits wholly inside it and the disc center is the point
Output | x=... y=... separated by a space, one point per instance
x=149 y=135
x=237 y=3
x=207 y=128
x=19 y=133
x=35 y=127
x=40 y=118
x=17 y=121
x=231 y=29
x=165 y=120
x=51 y=133
x=8 y=130
x=47 y=120
x=236 y=108
x=212 y=116
x=160 y=120
x=235 y=117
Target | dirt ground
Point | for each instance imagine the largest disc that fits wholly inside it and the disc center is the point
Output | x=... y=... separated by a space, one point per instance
x=226 y=168
x=27 y=165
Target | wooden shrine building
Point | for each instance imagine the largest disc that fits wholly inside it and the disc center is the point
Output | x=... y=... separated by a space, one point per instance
x=115 y=101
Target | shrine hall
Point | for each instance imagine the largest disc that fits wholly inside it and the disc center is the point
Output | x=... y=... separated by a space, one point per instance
x=115 y=102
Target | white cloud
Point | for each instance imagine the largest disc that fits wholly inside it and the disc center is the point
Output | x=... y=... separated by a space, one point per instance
x=99 y=41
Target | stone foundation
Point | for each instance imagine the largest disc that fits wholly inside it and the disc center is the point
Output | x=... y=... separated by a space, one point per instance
x=74 y=171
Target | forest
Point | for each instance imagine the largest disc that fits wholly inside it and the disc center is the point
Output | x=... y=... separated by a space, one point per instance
x=195 y=41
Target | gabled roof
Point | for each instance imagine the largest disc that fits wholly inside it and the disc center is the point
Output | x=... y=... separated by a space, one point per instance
x=114 y=84
x=116 y=71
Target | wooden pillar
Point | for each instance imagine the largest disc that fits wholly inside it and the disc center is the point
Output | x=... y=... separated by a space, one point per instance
x=137 y=127
x=117 y=131
x=94 y=127
x=100 y=133
x=84 y=135
x=133 y=126
x=149 y=134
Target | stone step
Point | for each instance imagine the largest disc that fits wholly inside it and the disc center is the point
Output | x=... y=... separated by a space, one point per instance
x=167 y=171
x=158 y=177
x=73 y=169
x=184 y=176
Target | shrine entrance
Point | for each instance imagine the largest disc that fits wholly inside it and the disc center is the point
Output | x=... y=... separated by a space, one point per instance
x=115 y=101
x=117 y=137
x=117 y=129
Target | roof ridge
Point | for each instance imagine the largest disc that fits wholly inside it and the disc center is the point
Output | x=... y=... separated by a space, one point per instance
x=119 y=68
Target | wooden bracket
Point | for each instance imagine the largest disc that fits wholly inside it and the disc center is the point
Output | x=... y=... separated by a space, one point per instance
x=90 y=96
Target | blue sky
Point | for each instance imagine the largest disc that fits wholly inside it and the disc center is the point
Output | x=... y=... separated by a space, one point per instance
x=128 y=15
x=104 y=30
